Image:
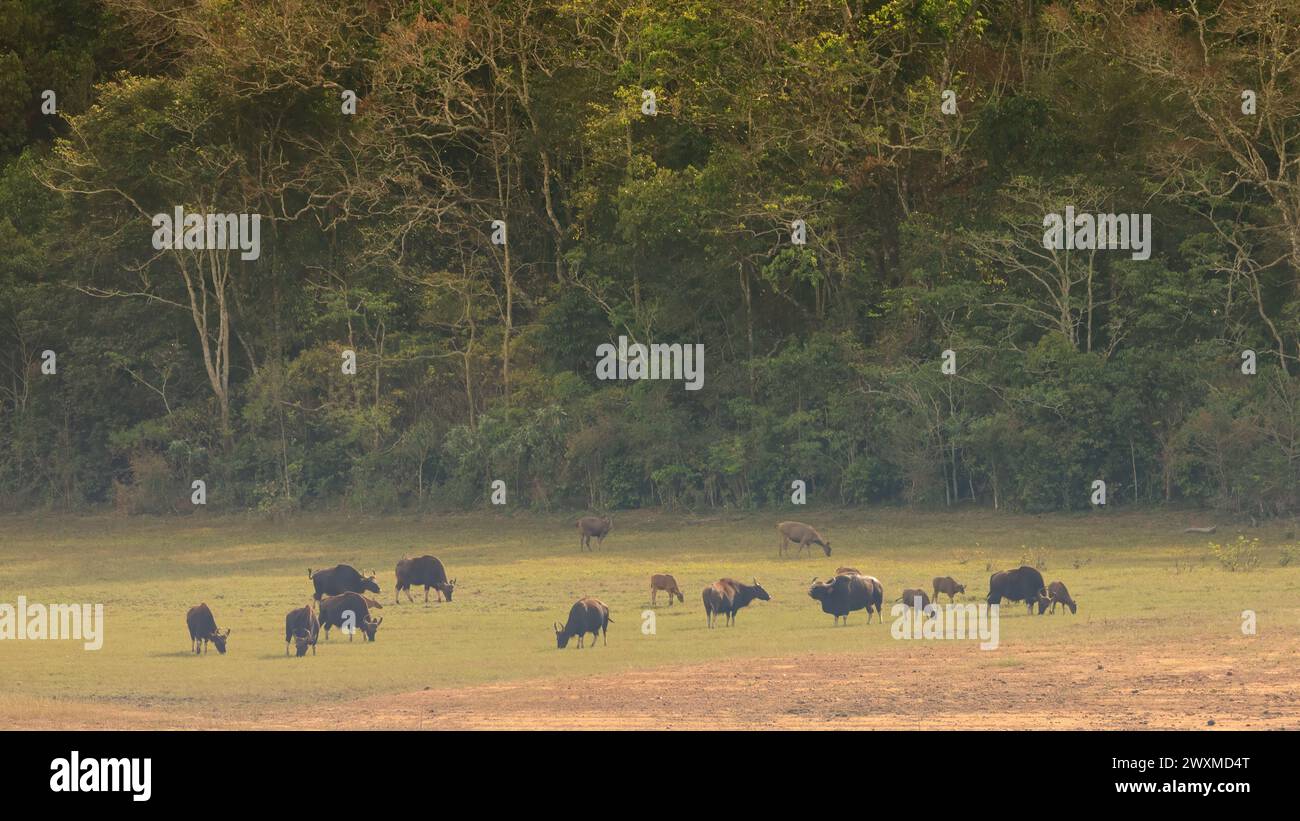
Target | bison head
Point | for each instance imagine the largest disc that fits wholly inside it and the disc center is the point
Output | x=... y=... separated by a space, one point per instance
x=821 y=591
x=447 y=588
x=301 y=641
x=218 y=639
x=760 y=593
x=371 y=626
x=561 y=637
x=369 y=584
x=1044 y=602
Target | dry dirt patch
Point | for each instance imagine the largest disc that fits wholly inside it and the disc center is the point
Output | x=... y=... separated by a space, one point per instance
x=1237 y=684
x=914 y=686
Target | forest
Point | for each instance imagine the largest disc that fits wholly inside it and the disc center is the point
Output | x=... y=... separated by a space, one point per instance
x=648 y=166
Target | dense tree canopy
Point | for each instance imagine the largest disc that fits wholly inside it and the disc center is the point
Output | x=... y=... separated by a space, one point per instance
x=476 y=361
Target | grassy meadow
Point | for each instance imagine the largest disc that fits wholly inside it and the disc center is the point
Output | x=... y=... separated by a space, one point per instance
x=1138 y=580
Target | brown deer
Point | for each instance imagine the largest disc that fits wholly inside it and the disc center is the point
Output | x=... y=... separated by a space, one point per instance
x=662 y=581
x=803 y=534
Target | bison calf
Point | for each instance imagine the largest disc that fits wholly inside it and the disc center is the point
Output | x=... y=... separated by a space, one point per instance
x=203 y=629
x=915 y=597
x=1056 y=593
x=946 y=584
x=666 y=583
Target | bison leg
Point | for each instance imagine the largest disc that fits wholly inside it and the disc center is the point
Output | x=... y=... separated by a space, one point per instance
x=652 y=596
x=426 y=594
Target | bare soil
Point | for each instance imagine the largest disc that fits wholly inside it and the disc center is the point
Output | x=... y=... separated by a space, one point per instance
x=1235 y=684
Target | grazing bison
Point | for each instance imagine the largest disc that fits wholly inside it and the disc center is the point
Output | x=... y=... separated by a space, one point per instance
x=587 y=615
x=341 y=579
x=335 y=610
x=301 y=627
x=726 y=596
x=1022 y=584
x=947 y=584
x=802 y=534
x=848 y=592
x=203 y=629
x=662 y=581
x=1056 y=592
x=910 y=597
x=425 y=571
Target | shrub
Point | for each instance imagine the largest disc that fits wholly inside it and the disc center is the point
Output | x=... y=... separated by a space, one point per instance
x=1242 y=554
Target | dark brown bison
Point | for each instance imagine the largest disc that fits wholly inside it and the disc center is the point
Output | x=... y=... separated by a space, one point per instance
x=801 y=534
x=662 y=581
x=1022 y=584
x=589 y=526
x=848 y=592
x=726 y=596
x=302 y=628
x=348 y=612
x=343 y=578
x=916 y=597
x=203 y=629
x=426 y=572
x=1056 y=593
x=587 y=615
x=947 y=584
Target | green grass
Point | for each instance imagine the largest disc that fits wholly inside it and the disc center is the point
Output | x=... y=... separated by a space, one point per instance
x=519 y=574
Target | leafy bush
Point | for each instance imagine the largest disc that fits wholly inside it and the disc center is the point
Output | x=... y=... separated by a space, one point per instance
x=1242 y=554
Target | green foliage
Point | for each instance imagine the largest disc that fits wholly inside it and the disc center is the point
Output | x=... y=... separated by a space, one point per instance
x=1243 y=554
x=474 y=364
